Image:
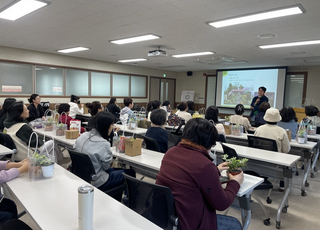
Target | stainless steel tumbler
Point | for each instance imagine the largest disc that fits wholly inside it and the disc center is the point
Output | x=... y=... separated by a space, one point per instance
x=85 y=207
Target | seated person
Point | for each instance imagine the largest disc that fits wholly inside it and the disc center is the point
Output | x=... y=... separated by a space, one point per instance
x=126 y=112
x=74 y=106
x=166 y=106
x=64 y=117
x=113 y=107
x=10 y=171
x=289 y=120
x=311 y=112
x=212 y=113
x=4 y=111
x=96 y=146
x=188 y=171
x=182 y=112
x=152 y=105
x=35 y=109
x=190 y=107
x=19 y=130
x=157 y=131
x=271 y=131
x=262 y=111
x=95 y=107
x=239 y=119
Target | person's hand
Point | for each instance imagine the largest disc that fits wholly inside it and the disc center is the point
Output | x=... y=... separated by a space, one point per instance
x=24 y=167
x=239 y=177
x=81 y=105
x=116 y=129
x=223 y=166
x=251 y=107
x=145 y=119
x=43 y=117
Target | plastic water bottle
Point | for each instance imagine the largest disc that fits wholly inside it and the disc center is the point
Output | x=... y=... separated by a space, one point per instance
x=85 y=207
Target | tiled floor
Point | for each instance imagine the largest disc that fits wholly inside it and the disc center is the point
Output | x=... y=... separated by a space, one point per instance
x=303 y=212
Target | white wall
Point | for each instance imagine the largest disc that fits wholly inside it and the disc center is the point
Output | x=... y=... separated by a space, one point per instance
x=29 y=56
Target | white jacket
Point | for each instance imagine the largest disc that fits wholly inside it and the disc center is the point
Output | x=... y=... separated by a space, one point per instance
x=74 y=110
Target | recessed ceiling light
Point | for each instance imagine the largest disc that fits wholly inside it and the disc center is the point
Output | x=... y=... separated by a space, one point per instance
x=302 y=52
x=304 y=43
x=275 y=13
x=265 y=36
x=133 y=60
x=71 y=50
x=192 y=54
x=135 y=39
x=20 y=8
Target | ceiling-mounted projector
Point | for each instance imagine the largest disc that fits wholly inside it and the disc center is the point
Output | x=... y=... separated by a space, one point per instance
x=157 y=53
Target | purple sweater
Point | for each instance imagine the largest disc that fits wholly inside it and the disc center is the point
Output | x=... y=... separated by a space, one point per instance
x=194 y=182
x=7 y=175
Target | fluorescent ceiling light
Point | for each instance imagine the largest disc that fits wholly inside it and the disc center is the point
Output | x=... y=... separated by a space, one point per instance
x=133 y=60
x=135 y=39
x=276 y=13
x=52 y=68
x=192 y=54
x=20 y=8
x=70 y=50
x=304 y=43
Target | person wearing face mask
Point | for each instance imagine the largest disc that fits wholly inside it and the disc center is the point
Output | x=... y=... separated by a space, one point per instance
x=74 y=106
x=19 y=130
x=256 y=102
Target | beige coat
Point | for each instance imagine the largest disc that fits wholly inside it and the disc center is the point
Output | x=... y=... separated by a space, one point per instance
x=237 y=119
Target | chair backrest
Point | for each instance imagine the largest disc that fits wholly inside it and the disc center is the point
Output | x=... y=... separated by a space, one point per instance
x=152 y=201
x=221 y=138
x=262 y=143
x=318 y=130
x=256 y=123
x=229 y=151
x=151 y=144
x=7 y=141
x=82 y=166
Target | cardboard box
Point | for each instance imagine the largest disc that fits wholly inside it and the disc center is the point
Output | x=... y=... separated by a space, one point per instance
x=289 y=134
x=72 y=134
x=133 y=146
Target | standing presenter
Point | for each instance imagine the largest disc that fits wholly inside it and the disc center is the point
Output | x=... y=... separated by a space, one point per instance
x=256 y=102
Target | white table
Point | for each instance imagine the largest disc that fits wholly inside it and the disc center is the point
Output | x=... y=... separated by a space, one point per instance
x=149 y=162
x=4 y=150
x=136 y=131
x=53 y=204
x=62 y=140
x=315 y=158
x=267 y=163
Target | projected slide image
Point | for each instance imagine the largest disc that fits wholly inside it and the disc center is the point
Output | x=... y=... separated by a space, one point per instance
x=237 y=94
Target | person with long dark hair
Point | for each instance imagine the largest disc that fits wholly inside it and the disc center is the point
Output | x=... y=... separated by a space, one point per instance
x=152 y=105
x=289 y=120
x=75 y=106
x=19 y=130
x=212 y=114
x=96 y=145
x=64 y=117
x=4 y=111
x=113 y=107
x=188 y=171
x=35 y=108
x=190 y=107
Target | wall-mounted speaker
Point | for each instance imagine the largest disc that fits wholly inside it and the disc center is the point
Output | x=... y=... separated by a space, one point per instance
x=189 y=73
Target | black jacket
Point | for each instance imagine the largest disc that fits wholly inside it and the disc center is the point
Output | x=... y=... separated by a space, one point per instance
x=33 y=114
x=114 y=109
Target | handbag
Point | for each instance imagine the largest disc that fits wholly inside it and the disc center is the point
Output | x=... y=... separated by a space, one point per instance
x=175 y=120
x=174 y=136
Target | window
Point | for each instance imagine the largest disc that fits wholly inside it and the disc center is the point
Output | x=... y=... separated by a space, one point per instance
x=15 y=79
x=49 y=80
x=138 y=86
x=120 y=85
x=77 y=82
x=100 y=84
x=295 y=90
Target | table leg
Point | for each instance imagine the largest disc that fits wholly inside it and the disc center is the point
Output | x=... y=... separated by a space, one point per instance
x=245 y=207
x=284 y=202
x=315 y=158
x=307 y=165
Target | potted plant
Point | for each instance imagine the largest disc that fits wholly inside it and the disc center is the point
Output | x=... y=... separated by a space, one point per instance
x=312 y=129
x=301 y=136
x=47 y=165
x=60 y=129
x=48 y=124
x=236 y=129
x=227 y=120
x=132 y=124
x=235 y=165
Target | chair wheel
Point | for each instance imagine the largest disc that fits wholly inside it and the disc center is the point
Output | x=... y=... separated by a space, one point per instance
x=303 y=193
x=269 y=201
x=302 y=167
x=297 y=173
x=284 y=209
x=266 y=222
x=306 y=184
x=278 y=224
x=312 y=175
x=315 y=169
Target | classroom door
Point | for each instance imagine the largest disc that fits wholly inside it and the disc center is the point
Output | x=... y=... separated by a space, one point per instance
x=295 y=90
x=162 y=89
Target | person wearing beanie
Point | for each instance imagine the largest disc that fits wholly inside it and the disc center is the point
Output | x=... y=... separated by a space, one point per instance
x=272 y=131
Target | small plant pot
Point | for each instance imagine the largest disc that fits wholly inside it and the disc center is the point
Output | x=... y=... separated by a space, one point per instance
x=132 y=126
x=60 y=132
x=312 y=132
x=47 y=171
x=235 y=172
x=301 y=140
x=236 y=132
x=226 y=123
x=48 y=128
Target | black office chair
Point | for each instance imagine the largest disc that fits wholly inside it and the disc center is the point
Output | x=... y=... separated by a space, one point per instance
x=318 y=130
x=82 y=167
x=262 y=143
x=7 y=141
x=256 y=123
x=151 y=144
x=265 y=184
x=221 y=138
x=14 y=224
x=152 y=201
